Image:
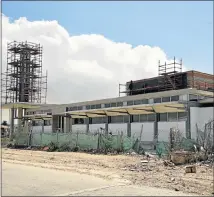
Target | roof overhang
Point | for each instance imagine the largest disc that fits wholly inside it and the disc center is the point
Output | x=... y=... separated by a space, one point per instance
x=38 y=117
x=19 y=105
x=129 y=110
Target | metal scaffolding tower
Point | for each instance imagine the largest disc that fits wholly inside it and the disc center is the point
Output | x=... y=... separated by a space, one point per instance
x=23 y=80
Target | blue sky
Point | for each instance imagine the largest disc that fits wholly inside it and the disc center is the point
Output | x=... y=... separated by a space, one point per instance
x=181 y=29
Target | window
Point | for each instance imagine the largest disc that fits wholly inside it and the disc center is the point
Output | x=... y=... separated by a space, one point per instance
x=163 y=117
x=193 y=97
x=78 y=121
x=107 y=105
x=182 y=115
x=129 y=103
x=116 y=119
x=119 y=104
x=47 y=122
x=79 y=107
x=88 y=107
x=113 y=104
x=98 y=106
x=151 y=117
x=166 y=99
x=145 y=101
x=93 y=106
x=143 y=118
x=174 y=98
x=126 y=119
x=172 y=116
x=157 y=100
x=98 y=120
x=136 y=118
x=137 y=102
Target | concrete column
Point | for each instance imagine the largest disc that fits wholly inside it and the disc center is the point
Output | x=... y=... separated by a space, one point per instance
x=188 y=131
x=68 y=126
x=106 y=125
x=20 y=116
x=62 y=119
x=55 y=123
x=129 y=126
x=12 y=123
x=156 y=129
x=87 y=125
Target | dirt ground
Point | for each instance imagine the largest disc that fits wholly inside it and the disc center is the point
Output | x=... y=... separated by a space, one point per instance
x=126 y=168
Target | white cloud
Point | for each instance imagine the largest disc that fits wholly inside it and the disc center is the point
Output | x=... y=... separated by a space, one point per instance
x=83 y=67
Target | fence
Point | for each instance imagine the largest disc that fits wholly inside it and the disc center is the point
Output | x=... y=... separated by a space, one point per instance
x=81 y=140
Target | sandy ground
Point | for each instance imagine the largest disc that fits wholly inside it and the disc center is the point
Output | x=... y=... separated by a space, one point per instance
x=120 y=168
x=36 y=181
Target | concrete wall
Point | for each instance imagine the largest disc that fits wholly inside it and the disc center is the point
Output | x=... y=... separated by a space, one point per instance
x=38 y=129
x=115 y=128
x=148 y=131
x=200 y=116
x=95 y=127
x=164 y=129
x=79 y=128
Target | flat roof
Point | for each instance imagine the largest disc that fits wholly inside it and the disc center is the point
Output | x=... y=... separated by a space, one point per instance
x=129 y=110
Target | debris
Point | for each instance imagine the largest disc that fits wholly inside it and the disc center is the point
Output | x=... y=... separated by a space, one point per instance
x=190 y=169
x=181 y=157
x=144 y=161
x=176 y=189
x=172 y=179
x=46 y=148
x=168 y=163
x=133 y=153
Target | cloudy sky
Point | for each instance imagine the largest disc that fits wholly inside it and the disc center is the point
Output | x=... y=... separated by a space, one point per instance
x=91 y=47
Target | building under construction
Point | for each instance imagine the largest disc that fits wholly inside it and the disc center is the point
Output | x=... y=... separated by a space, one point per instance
x=170 y=77
x=23 y=80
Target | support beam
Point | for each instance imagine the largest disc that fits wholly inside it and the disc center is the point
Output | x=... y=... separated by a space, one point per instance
x=20 y=116
x=106 y=125
x=12 y=114
x=87 y=125
x=129 y=126
x=188 y=130
x=156 y=129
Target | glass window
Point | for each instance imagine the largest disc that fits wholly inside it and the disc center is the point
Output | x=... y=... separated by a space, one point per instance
x=182 y=115
x=157 y=100
x=174 y=98
x=193 y=97
x=88 y=107
x=79 y=107
x=172 y=116
x=137 y=102
x=116 y=119
x=119 y=104
x=166 y=99
x=98 y=120
x=163 y=117
x=107 y=105
x=151 y=117
x=129 y=103
x=113 y=104
x=143 y=118
x=145 y=101
x=98 y=106
x=125 y=119
x=136 y=118
x=93 y=106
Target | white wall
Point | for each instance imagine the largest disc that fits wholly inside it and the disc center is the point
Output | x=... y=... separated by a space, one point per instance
x=38 y=129
x=200 y=116
x=95 y=127
x=79 y=128
x=164 y=129
x=115 y=128
x=148 y=131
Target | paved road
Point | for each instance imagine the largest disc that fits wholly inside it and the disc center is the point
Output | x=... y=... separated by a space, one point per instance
x=20 y=180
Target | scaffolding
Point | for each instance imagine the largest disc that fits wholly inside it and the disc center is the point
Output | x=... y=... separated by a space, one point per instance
x=170 y=77
x=23 y=80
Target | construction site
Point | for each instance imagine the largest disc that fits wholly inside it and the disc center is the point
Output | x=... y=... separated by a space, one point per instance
x=160 y=125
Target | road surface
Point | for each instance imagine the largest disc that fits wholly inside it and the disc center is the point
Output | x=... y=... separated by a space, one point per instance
x=21 y=180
